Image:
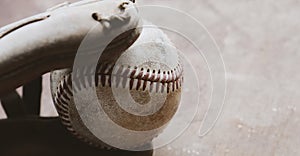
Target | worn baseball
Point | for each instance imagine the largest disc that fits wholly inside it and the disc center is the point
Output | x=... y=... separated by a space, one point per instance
x=131 y=99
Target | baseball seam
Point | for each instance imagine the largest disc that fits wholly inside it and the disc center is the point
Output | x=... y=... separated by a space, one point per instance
x=129 y=77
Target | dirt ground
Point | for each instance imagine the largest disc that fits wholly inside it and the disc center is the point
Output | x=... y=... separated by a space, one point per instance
x=259 y=42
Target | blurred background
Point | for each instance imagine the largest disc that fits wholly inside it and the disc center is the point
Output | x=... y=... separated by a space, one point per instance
x=260 y=44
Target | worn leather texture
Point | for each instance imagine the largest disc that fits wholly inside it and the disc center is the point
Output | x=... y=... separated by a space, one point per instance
x=50 y=40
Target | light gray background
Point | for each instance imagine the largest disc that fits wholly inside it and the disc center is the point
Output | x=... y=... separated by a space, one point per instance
x=260 y=43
